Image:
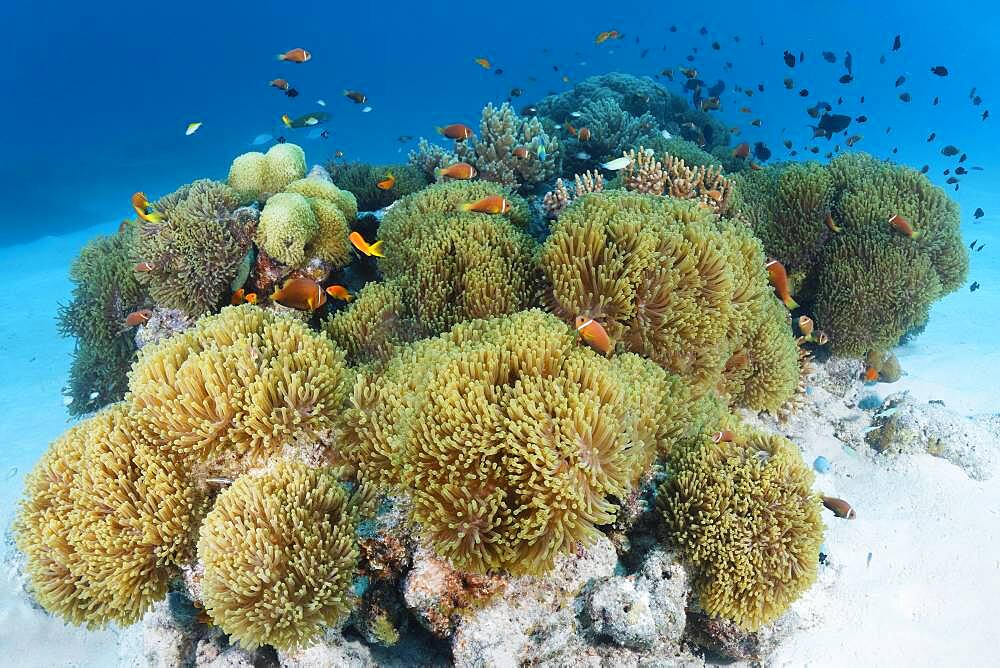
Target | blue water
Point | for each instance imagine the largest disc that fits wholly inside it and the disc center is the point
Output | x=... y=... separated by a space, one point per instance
x=97 y=95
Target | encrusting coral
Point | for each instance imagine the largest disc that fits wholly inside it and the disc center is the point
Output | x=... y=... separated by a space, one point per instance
x=745 y=517
x=256 y=176
x=239 y=388
x=514 y=441
x=196 y=252
x=867 y=283
x=279 y=552
x=666 y=279
x=501 y=131
x=106 y=521
x=105 y=291
x=361 y=179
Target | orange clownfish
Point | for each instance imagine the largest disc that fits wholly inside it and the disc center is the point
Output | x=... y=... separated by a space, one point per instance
x=903 y=225
x=339 y=292
x=521 y=152
x=483 y=63
x=832 y=225
x=741 y=151
x=387 y=182
x=237 y=297
x=605 y=36
x=455 y=131
x=141 y=205
x=295 y=56
x=871 y=374
x=755 y=167
x=583 y=134
x=362 y=245
x=594 y=334
x=779 y=279
x=251 y=298
x=806 y=327
x=461 y=171
x=303 y=294
x=356 y=96
x=570 y=129
x=280 y=84
x=138 y=317
x=491 y=204
x=724 y=436
x=143 y=267
x=839 y=507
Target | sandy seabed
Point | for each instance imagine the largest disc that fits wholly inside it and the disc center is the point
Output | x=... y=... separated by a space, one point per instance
x=927 y=596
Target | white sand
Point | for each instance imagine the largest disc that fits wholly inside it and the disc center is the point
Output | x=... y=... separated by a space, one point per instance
x=931 y=595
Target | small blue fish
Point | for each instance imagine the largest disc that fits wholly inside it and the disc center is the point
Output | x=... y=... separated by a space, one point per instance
x=541 y=152
x=821 y=464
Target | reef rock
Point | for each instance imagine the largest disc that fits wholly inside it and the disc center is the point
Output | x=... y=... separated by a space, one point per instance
x=333 y=651
x=168 y=637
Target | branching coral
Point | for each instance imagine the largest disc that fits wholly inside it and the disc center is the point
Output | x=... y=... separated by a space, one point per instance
x=867 y=283
x=492 y=152
x=238 y=388
x=645 y=174
x=198 y=249
x=745 y=517
x=362 y=179
x=665 y=278
x=514 y=441
x=106 y=522
x=256 y=176
x=558 y=199
x=105 y=291
x=612 y=131
x=279 y=552
x=429 y=158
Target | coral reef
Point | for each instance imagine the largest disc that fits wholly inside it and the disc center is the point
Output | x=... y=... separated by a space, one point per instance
x=429 y=158
x=196 y=252
x=501 y=131
x=612 y=131
x=666 y=279
x=867 y=283
x=374 y=326
x=106 y=521
x=647 y=175
x=361 y=179
x=105 y=291
x=744 y=516
x=256 y=176
x=279 y=554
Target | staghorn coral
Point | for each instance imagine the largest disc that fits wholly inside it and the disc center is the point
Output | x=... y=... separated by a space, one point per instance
x=279 y=553
x=361 y=179
x=429 y=158
x=513 y=440
x=501 y=131
x=239 y=388
x=558 y=199
x=867 y=284
x=106 y=522
x=644 y=173
x=198 y=249
x=744 y=516
x=665 y=278
x=257 y=176
x=372 y=328
x=555 y=200
x=105 y=291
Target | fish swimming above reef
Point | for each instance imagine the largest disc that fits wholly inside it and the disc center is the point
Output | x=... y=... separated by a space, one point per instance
x=840 y=508
x=779 y=279
x=492 y=204
x=356 y=96
x=617 y=164
x=831 y=124
x=949 y=150
x=940 y=70
x=829 y=56
x=463 y=170
x=456 y=131
x=339 y=292
x=141 y=206
x=386 y=182
x=295 y=56
x=302 y=294
x=359 y=242
x=137 y=318
x=306 y=120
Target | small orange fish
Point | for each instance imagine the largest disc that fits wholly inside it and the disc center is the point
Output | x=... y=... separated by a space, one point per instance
x=715 y=196
x=594 y=334
x=779 y=279
x=491 y=204
x=745 y=110
x=570 y=129
x=462 y=170
x=251 y=298
x=138 y=317
x=339 y=292
x=741 y=151
x=143 y=267
x=738 y=361
x=237 y=297
x=483 y=63
x=387 y=182
x=903 y=225
x=806 y=327
x=602 y=37
x=521 y=152
x=583 y=134
x=356 y=96
x=839 y=507
x=821 y=338
x=724 y=436
x=832 y=225
x=362 y=245
x=455 y=131
x=280 y=84
x=303 y=294
x=141 y=205
x=871 y=374
x=755 y=167
x=295 y=56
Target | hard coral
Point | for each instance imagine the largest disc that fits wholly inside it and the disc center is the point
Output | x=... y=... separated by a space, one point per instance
x=429 y=158
x=745 y=517
x=105 y=291
x=198 y=249
x=239 y=388
x=106 y=522
x=492 y=152
x=257 y=176
x=279 y=552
